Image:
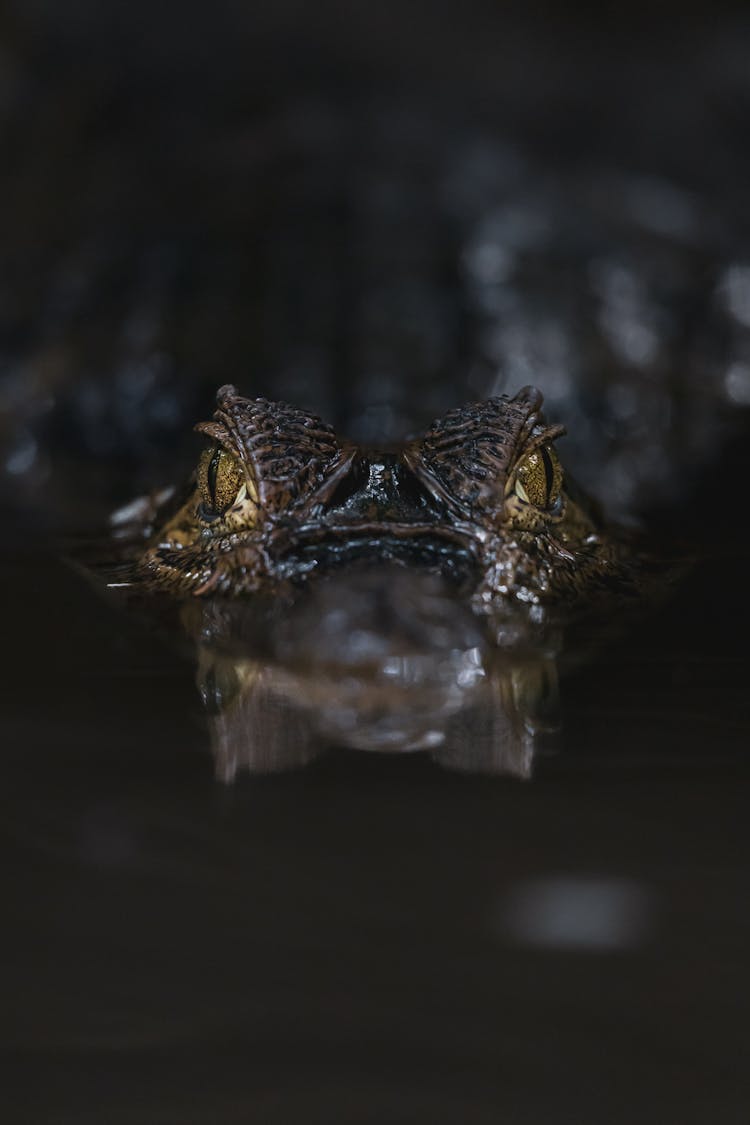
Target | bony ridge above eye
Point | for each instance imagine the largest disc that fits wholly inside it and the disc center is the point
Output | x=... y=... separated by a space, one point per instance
x=220 y=479
x=538 y=478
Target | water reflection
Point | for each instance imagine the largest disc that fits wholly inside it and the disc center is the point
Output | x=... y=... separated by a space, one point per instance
x=386 y=660
x=578 y=914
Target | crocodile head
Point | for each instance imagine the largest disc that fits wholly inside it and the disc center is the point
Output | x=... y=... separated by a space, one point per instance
x=481 y=496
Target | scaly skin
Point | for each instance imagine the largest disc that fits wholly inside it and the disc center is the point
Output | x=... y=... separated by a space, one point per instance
x=480 y=493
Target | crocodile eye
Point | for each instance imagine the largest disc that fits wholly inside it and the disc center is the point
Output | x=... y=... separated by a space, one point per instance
x=538 y=478
x=220 y=479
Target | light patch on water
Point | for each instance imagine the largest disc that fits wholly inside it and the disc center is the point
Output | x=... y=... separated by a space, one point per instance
x=137 y=510
x=661 y=206
x=627 y=317
x=737 y=383
x=23 y=457
x=470 y=668
x=489 y=263
x=533 y=350
x=734 y=287
x=623 y=401
x=584 y=914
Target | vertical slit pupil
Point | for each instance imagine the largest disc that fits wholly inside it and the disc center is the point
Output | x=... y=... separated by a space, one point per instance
x=549 y=471
x=213 y=468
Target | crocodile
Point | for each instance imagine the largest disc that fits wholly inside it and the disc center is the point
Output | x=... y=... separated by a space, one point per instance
x=480 y=496
x=400 y=598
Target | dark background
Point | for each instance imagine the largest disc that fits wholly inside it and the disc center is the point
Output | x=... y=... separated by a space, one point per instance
x=181 y=199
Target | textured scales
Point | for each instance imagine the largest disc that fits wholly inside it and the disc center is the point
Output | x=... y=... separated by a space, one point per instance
x=465 y=458
x=292 y=455
x=456 y=495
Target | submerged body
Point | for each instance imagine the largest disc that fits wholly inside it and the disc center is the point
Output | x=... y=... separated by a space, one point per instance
x=481 y=496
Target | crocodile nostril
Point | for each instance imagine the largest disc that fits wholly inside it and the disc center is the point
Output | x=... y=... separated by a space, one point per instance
x=353 y=483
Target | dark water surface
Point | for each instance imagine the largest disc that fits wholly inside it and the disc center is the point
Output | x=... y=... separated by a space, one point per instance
x=373 y=938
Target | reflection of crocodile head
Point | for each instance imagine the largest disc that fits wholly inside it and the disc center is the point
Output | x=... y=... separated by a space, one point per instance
x=371 y=658
x=480 y=497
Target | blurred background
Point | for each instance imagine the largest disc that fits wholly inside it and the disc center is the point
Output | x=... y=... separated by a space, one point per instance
x=375 y=211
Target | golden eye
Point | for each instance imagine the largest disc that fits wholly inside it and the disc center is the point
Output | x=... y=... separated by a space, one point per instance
x=539 y=478
x=220 y=479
